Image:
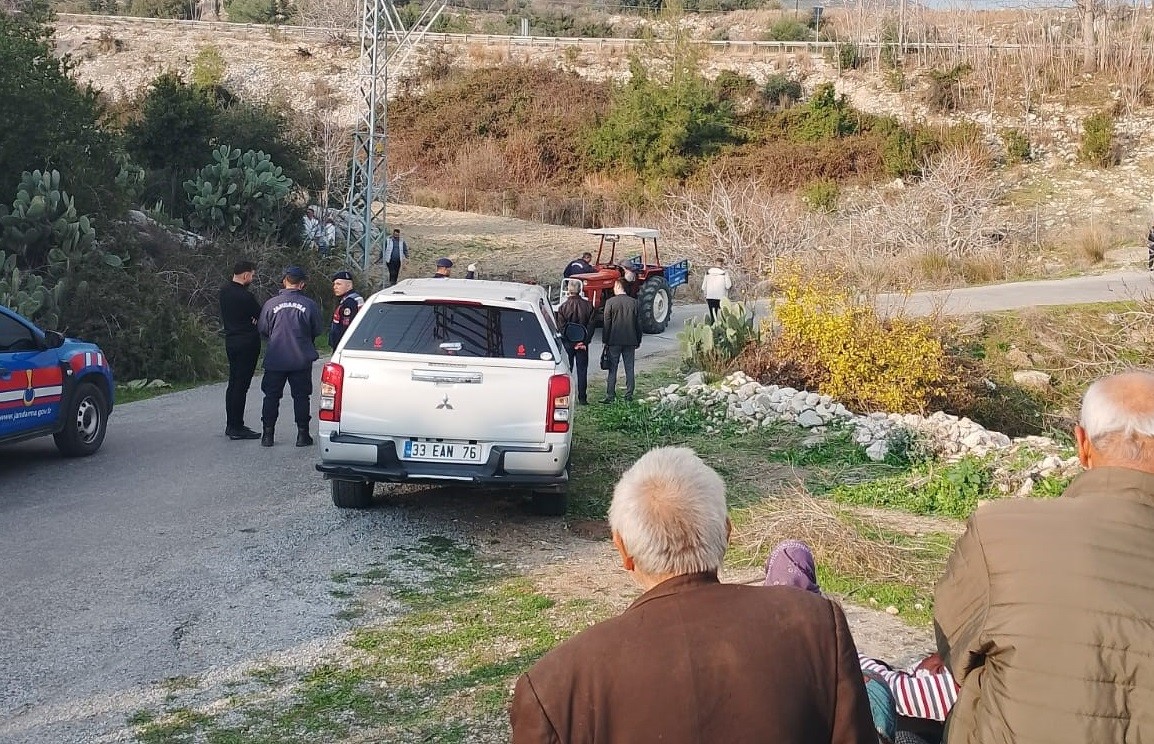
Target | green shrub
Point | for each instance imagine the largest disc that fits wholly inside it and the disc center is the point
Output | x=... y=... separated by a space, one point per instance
x=1017 y=146
x=781 y=90
x=208 y=68
x=256 y=11
x=181 y=9
x=734 y=86
x=1098 y=140
x=848 y=56
x=906 y=152
x=827 y=116
x=662 y=127
x=821 y=195
x=944 y=92
x=789 y=29
x=48 y=118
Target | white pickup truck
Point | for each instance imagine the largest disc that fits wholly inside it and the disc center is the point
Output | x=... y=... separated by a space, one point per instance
x=448 y=380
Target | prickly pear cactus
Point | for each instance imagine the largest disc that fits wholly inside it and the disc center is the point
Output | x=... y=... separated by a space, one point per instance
x=25 y=293
x=238 y=192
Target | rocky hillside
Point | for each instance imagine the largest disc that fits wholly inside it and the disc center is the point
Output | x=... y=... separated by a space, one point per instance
x=314 y=72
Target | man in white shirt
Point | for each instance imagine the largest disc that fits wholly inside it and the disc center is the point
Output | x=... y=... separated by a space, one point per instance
x=396 y=250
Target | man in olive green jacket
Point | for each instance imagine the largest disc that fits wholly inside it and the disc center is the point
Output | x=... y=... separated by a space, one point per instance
x=1045 y=614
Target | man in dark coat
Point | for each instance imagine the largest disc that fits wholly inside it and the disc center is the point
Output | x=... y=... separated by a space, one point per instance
x=291 y=322
x=621 y=334
x=695 y=661
x=239 y=311
x=578 y=311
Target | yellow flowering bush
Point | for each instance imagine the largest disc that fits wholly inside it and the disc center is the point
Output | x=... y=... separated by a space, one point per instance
x=862 y=360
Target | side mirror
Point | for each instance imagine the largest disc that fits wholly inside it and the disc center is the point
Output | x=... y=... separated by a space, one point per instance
x=53 y=339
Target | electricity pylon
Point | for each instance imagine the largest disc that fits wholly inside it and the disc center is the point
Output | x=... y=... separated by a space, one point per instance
x=381 y=26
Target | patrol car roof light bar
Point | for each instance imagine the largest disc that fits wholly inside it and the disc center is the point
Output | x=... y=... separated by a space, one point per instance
x=368 y=176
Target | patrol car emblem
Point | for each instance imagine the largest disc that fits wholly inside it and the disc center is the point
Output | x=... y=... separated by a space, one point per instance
x=445 y=404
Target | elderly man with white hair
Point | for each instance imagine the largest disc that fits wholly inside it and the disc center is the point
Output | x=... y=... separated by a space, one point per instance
x=695 y=660
x=1045 y=614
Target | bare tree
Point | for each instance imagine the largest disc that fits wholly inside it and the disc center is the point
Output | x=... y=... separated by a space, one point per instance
x=748 y=227
x=342 y=16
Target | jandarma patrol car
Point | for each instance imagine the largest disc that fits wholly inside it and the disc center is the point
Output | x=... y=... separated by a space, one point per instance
x=54 y=385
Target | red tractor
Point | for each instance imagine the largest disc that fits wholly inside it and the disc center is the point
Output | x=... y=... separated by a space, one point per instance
x=644 y=276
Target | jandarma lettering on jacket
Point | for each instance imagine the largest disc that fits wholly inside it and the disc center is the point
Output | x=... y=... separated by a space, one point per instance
x=294 y=305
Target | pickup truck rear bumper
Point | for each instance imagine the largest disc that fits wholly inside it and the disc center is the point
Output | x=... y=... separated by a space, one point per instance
x=389 y=468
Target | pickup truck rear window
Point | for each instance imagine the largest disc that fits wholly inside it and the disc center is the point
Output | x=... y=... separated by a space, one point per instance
x=449 y=330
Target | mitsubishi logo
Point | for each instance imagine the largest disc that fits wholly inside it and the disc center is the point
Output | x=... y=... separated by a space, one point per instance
x=445 y=404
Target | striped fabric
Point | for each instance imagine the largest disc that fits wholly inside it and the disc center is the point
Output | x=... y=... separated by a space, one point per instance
x=922 y=694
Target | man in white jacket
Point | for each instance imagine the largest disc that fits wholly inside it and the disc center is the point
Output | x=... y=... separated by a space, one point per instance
x=716 y=285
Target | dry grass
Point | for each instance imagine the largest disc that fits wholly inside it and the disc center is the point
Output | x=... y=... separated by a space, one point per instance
x=1088 y=244
x=845 y=543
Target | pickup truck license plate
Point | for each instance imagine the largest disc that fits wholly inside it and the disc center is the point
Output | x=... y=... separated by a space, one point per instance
x=442 y=451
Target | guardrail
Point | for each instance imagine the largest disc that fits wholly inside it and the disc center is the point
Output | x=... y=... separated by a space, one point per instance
x=532 y=41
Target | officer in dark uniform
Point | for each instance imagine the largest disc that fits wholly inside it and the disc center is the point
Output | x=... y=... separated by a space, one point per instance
x=444 y=269
x=580 y=266
x=349 y=303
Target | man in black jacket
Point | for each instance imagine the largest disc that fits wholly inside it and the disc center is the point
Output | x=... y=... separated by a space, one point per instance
x=239 y=311
x=290 y=321
x=621 y=334
x=579 y=311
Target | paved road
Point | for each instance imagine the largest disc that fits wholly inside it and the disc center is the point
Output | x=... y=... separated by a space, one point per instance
x=175 y=551
x=1109 y=287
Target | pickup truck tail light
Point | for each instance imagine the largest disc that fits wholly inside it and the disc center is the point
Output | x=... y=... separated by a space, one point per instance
x=557 y=421
x=332 y=384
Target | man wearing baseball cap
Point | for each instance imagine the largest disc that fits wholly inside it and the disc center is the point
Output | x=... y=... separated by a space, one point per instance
x=349 y=304
x=290 y=321
x=444 y=268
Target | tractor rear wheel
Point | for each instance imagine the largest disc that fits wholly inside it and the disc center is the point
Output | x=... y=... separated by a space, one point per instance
x=656 y=304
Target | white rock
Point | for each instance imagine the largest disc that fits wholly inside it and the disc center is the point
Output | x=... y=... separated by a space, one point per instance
x=891 y=610
x=877 y=451
x=809 y=418
x=1032 y=378
x=697 y=378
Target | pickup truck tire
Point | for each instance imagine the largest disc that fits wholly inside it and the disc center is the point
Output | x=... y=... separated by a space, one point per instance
x=352 y=494
x=549 y=503
x=656 y=304
x=85 y=422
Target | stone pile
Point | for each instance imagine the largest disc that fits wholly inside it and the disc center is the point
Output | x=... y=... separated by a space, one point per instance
x=742 y=402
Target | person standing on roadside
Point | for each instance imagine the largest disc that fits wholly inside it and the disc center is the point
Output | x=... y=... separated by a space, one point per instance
x=349 y=303
x=291 y=322
x=444 y=269
x=239 y=311
x=576 y=310
x=396 y=250
x=716 y=286
x=621 y=335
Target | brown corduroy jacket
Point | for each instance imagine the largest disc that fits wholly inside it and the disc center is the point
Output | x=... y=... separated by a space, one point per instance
x=697 y=661
x=1045 y=616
